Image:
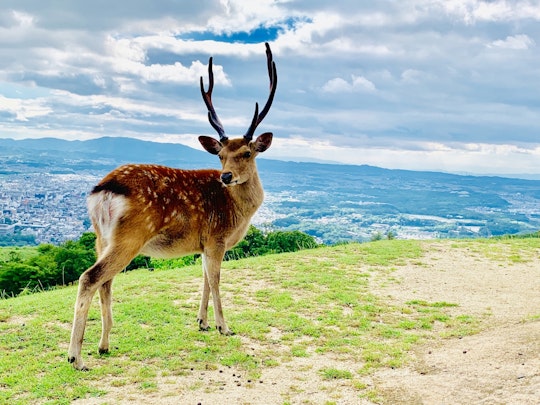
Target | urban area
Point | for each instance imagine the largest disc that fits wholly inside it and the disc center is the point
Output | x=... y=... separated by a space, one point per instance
x=44 y=208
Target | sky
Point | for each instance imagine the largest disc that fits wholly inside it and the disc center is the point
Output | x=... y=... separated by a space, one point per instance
x=439 y=85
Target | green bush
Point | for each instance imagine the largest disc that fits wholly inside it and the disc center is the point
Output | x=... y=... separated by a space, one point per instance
x=15 y=277
x=289 y=241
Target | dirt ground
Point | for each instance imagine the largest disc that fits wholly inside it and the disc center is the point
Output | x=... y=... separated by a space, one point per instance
x=500 y=365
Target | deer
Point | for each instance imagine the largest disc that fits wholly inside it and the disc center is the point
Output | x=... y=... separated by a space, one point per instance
x=167 y=212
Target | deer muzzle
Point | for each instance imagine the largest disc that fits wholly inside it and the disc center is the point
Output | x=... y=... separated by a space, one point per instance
x=226 y=178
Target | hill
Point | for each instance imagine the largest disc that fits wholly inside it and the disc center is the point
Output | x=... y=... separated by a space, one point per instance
x=102 y=153
x=331 y=202
x=387 y=322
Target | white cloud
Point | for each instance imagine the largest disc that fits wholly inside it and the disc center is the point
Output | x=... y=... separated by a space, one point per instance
x=411 y=76
x=361 y=83
x=244 y=15
x=485 y=158
x=22 y=19
x=336 y=85
x=472 y=11
x=129 y=107
x=23 y=110
x=357 y=83
x=517 y=42
x=125 y=49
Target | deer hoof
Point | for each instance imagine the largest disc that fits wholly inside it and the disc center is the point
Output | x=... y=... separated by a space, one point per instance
x=202 y=326
x=227 y=332
x=103 y=351
x=80 y=366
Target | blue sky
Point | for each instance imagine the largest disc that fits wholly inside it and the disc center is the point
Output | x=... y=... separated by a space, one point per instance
x=445 y=85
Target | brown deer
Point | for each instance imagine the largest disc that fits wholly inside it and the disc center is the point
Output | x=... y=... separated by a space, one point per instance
x=165 y=212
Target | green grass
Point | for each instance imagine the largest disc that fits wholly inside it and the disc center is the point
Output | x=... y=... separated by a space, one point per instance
x=504 y=250
x=334 y=374
x=23 y=252
x=313 y=302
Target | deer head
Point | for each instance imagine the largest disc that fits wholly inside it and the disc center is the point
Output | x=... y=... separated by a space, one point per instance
x=237 y=155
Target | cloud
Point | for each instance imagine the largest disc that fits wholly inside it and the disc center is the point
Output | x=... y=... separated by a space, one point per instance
x=23 y=110
x=440 y=82
x=486 y=158
x=472 y=11
x=339 y=85
x=516 y=42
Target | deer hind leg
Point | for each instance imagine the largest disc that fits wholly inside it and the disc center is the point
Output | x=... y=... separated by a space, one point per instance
x=212 y=268
x=85 y=294
x=105 y=298
x=105 y=301
x=99 y=276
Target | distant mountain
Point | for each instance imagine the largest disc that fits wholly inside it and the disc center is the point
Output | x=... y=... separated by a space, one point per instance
x=330 y=201
x=105 y=153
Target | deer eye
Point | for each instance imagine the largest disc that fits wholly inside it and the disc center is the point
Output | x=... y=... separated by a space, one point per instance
x=220 y=157
x=247 y=155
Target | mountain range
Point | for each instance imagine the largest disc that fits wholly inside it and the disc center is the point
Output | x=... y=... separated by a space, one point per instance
x=330 y=201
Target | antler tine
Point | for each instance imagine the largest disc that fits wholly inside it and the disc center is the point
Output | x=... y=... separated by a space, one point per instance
x=272 y=75
x=207 y=97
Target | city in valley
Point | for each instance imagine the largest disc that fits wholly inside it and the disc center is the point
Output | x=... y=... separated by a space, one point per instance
x=43 y=195
x=50 y=208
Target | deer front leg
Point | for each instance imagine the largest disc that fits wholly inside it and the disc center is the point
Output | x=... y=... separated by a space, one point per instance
x=105 y=300
x=212 y=267
x=202 y=319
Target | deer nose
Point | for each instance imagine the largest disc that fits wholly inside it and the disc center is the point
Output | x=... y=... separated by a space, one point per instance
x=226 y=177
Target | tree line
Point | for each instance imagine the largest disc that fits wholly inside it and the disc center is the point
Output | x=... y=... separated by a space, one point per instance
x=60 y=265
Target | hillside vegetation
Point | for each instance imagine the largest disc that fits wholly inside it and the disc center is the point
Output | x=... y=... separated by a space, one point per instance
x=25 y=270
x=322 y=313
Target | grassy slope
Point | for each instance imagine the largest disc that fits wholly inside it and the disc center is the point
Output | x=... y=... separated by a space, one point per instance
x=319 y=301
x=24 y=252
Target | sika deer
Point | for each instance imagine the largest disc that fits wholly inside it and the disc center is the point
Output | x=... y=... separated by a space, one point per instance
x=165 y=212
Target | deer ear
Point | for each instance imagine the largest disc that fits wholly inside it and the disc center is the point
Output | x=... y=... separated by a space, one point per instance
x=211 y=145
x=263 y=142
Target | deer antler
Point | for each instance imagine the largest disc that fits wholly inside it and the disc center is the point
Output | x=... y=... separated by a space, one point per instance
x=207 y=97
x=257 y=118
x=272 y=74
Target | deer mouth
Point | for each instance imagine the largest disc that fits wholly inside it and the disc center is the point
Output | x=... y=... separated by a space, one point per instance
x=228 y=180
x=230 y=184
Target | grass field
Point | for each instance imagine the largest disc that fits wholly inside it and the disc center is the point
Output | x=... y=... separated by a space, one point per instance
x=298 y=305
x=7 y=253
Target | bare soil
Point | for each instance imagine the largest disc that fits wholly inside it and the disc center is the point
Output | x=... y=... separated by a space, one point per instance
x=499 y=365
